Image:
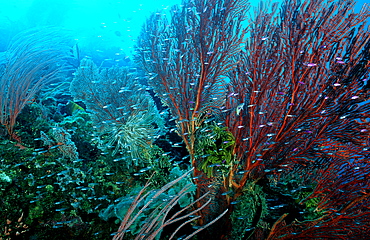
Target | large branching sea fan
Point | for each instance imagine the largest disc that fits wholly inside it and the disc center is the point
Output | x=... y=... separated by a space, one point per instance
x=295 y=97
x=187 y=57
x=303 y=110
x=300 y=85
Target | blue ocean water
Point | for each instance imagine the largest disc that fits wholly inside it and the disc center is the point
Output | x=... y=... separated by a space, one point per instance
x=103 y=27
x=99 y=25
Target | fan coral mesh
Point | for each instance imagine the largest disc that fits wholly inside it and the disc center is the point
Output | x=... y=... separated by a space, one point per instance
x=122 y=110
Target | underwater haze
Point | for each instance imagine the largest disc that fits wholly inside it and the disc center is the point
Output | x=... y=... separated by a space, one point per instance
x=102 y=27
x=106 y=27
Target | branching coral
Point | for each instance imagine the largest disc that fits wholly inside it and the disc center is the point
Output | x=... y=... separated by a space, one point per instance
x=296 y=100
x=35 y=58
x=154 y=208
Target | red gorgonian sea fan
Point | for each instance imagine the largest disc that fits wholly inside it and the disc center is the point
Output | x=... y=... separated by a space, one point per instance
x=292 y=89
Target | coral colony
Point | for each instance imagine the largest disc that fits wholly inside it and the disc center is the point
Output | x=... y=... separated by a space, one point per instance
x=232 y=122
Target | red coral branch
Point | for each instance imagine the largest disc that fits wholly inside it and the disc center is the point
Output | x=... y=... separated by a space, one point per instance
x=297 y=92
x=35 y=58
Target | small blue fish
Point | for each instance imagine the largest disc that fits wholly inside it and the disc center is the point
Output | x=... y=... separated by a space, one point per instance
x=60 y=209
x=239 y=108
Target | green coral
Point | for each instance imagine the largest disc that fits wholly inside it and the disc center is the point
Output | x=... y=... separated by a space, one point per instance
x=46 y=188
x=4 y=178
x=310 y=212
x=250 y=210
x=296 y=188
x=30 y=122
x=214 y=146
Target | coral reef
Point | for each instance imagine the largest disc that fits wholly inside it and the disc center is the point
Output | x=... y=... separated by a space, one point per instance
x=230 y=126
